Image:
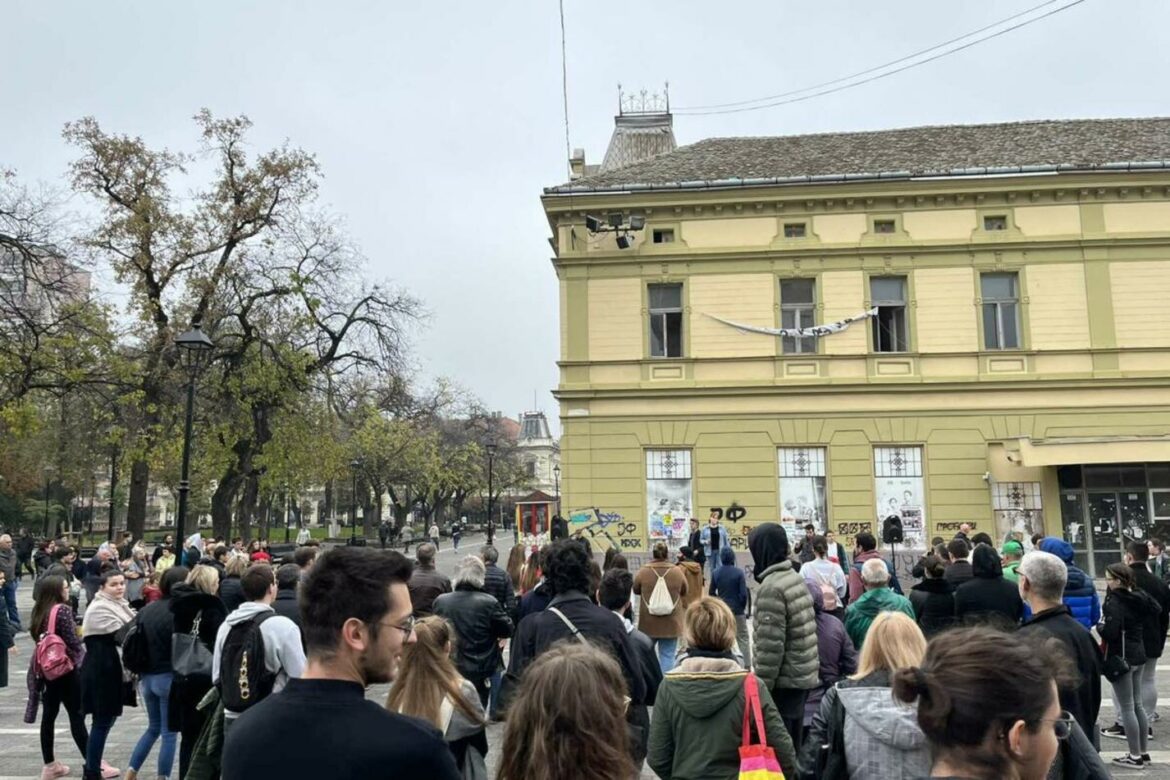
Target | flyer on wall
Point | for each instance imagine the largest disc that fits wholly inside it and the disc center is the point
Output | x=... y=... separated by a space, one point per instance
x=903 y=497
x=669 y=505
x=802 y=501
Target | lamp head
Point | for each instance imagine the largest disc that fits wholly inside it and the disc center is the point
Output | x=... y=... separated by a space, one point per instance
x=194 y=348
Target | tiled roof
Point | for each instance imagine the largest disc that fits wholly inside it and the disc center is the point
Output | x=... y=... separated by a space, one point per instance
x=954 y=150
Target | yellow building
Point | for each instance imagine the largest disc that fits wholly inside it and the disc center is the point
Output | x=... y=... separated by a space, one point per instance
x=997 y=352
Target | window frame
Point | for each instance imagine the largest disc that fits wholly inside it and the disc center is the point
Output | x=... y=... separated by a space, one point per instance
x=809 y=345
x=875 y=331
x=665 y=313
x=803 y=227
x=996 y=215
x=998 y=305
x=656 y=233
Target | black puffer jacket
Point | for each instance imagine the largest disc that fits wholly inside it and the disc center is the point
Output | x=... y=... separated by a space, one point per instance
x=231 y=593
x=496 y=582
x=1124 y=615
x=480 y=622
x=988 y=597
x=934 y=605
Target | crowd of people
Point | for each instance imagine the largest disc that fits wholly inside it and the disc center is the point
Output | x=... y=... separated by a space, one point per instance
x=824 y=669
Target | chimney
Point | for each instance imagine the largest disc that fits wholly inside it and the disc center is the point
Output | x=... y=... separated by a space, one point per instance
x=643 y=128
x=577 y=164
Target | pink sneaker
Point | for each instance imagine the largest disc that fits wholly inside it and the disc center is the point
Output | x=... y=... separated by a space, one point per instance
x=54 y=770
x=109 y=772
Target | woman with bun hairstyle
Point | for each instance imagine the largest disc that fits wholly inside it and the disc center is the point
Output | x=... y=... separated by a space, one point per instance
x=1011 y=735
x=1123 y=616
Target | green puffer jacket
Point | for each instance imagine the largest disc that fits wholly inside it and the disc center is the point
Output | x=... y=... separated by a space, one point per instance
x=861 y=613
x=785 y=631
x=697 y=726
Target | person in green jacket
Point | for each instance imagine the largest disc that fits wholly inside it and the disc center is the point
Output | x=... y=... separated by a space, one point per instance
x=1011 y=553
x=695 y=732
x=877 y=598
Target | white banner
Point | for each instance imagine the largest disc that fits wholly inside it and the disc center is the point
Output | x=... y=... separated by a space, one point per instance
x=800 y=333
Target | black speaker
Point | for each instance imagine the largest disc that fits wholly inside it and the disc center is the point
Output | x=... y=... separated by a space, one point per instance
x=892 y=530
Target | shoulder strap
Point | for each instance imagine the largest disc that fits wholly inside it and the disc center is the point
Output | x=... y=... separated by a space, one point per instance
x=51 y=626
x=752 y=710
x=569 y=623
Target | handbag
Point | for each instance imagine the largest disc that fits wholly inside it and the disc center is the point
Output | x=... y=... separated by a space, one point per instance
x=1116 y=666
x=756 y=761
x=189 y=656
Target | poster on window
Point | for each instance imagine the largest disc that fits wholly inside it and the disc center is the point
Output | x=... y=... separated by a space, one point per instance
x=802 y=501
x=669 y=505
x=904 y=498
x=1018 y=512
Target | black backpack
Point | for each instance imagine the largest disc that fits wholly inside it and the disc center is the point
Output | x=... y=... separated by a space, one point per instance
x=244 y=678
x=136 y=649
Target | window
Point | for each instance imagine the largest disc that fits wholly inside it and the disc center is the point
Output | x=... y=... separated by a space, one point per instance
x=668 y=494
x=1018 y=508
x=797 y=310
x=995 y=222
x=794 y=230
x=665 y=320
x=802 y=487
x=1001 y=310
x=530 y=467
x=900 y=492
x=663 y=236
x=883 y=226
x=891 y=330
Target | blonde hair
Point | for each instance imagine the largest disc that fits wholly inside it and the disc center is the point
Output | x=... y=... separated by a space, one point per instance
x=236 y=565
x=709 y=625
x=893 y=642
x=204 y=578
x=428 y=676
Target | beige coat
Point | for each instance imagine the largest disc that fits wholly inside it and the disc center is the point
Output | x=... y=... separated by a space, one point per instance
x=660 y=626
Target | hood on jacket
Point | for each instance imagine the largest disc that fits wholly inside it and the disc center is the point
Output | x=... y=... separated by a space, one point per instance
x=1058 y=547
x=934 y=586
x=768 y=543
x=818 y=598
x=874 y=601
x=705 y=685
x=727 y=556
x=875 y=711
x=247 y=611
x=692 y=567
x=985 y=562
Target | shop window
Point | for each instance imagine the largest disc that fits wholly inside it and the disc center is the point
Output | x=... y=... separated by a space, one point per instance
x=798 y=310
x=794 y=230
x=1001 y=310
x=891 y=328
x=668 y=494
x=665 y=320
x=802 y=488
x=900 y=491
x=1160 y=501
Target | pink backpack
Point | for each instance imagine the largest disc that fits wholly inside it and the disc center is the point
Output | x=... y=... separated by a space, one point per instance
x=53 y=661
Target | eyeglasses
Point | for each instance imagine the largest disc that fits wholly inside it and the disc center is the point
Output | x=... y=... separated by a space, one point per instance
x=406 y=626
x=1061 y=726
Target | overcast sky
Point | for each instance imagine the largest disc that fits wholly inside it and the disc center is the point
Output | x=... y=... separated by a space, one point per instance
x=438 y=123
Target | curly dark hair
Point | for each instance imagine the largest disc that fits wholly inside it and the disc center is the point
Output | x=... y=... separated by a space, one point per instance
x=566 y=567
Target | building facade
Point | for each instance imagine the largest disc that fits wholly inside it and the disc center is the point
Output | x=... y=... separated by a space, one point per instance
x=943 y=325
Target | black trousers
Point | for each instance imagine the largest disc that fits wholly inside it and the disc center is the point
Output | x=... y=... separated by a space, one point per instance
x=62 y=691
x=790 y=703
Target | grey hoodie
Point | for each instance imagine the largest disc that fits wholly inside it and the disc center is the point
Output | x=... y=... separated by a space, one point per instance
x=882 y=737
x=283 y=653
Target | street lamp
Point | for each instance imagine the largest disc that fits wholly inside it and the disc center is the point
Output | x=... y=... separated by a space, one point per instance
x=48 y=472
x=557 y=482
x=491 y=528
x=194 y=353
x=286 y=528
x=354 y=465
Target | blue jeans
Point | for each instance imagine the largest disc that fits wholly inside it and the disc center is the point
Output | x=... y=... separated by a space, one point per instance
x=715 y=563
x=497 y=679
x=98 y=733
x=667 y=648
x=155 y=689
x=10 y=601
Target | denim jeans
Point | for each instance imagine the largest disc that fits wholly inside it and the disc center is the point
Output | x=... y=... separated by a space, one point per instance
x=497 y=679
x=1127 y=699
x=667 y=649
x=99 y=731
x=10 y=601
x=743 y=640
x=1149 y=688
x=714 y=562
x=155 y=689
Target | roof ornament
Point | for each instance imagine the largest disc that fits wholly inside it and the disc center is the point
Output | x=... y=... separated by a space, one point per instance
x=643 y=102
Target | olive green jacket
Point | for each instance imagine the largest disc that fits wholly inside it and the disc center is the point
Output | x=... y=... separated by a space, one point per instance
x=785 y=653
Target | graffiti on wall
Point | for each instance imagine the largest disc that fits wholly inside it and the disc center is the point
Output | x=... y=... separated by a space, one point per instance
x=610 y=526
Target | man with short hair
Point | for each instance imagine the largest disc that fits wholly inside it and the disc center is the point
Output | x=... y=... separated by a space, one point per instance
x=288 y=577
x=877 y=598
x=480 y=624
x=960 y=570
x=24 y=546
x=867 y=551
x=1011 y=553
x=284 y=656
x=496 y=580
x=426 y=583
x=614 y=595
x=1042 y=581
x=1159 y=562
x=8 y=563
x=714 y=538
x=964 y=532
x=804 y=548
x=357 y=622
x=304 y=557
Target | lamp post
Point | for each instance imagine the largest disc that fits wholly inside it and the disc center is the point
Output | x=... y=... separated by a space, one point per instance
x=48 y=472
x=286 y=528
x=354 y=465
x=491 y=528
x=113 y=485
x=557 y=483
x=194 y=352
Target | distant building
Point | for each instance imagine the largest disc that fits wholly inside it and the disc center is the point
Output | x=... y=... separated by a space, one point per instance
x=539 y=452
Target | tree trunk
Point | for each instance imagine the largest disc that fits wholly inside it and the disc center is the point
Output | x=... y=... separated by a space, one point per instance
x=327 y=513
x=136 y=509
x=222 y=500
x=246 y=514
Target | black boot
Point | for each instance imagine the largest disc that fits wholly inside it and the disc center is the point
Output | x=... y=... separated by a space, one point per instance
x=91 y=774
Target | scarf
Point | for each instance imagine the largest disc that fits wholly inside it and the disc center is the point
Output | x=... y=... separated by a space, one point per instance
x=106 y=615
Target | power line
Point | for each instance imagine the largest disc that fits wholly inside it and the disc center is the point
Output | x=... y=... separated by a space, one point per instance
x=867 y=71
x=565 y=91
x=938 y=56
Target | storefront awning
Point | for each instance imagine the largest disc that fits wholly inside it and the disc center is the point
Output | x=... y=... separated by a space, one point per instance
x=1073 y=451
